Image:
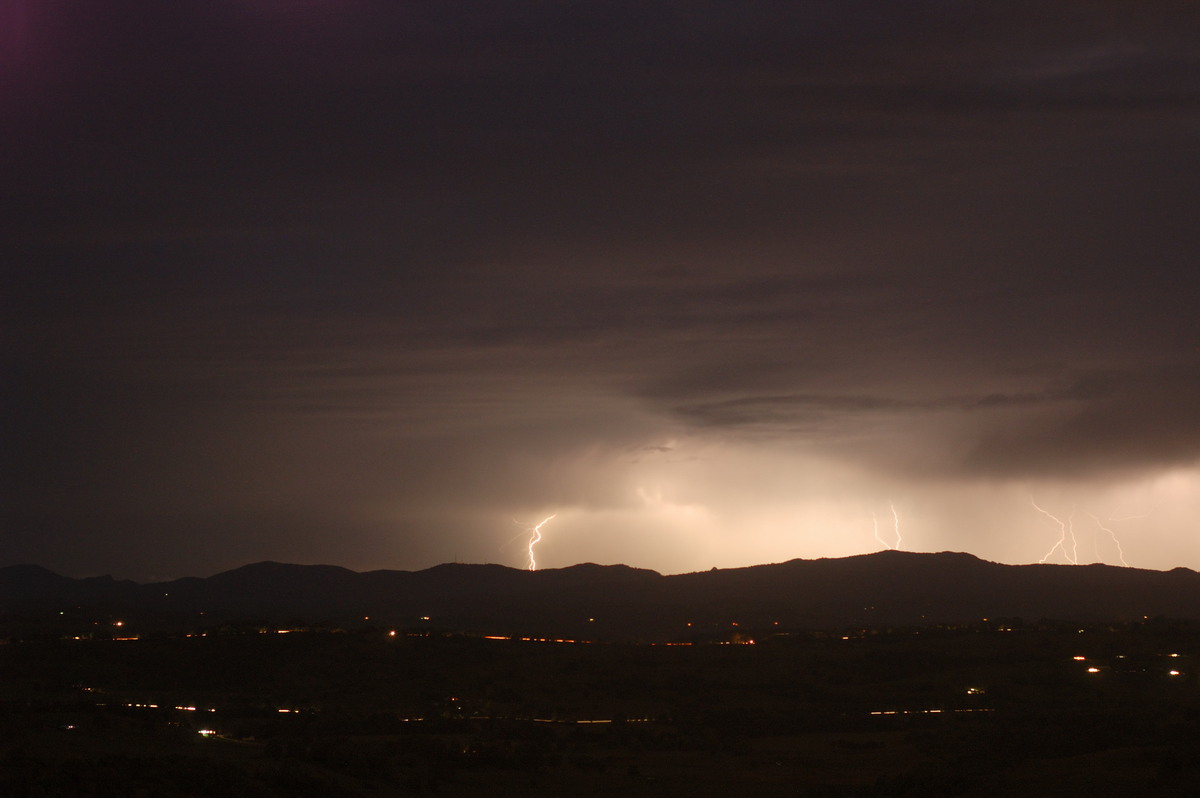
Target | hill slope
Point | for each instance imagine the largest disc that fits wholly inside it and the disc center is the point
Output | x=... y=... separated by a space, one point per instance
x=889 y=588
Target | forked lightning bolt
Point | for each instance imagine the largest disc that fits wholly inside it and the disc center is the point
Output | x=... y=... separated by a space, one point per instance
x=1113 y=535
x=535 y=535
x=1067 y=528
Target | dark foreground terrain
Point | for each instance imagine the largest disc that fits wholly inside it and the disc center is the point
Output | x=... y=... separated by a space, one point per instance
x=994 y=708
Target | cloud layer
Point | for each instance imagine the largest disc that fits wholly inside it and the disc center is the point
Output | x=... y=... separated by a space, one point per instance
x=361 y=283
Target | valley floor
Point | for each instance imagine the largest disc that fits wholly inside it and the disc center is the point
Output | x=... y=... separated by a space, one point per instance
x=971 y=712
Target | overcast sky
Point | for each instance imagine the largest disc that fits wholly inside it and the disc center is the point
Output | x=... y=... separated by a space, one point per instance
x=383 y=284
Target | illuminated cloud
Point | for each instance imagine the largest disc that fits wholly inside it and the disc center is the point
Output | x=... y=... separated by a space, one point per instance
x=361 y=284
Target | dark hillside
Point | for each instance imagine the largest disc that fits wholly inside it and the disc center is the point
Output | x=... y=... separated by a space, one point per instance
x=885 y=589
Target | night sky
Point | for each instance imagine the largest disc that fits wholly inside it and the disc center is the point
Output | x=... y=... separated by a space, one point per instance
x=381 y=284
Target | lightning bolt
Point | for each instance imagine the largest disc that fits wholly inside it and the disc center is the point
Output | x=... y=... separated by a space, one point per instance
x=1113 y=535
x=896 y=518
x=1132 y=517
x=1068 y=528
x=535 y=536
x=875 y=521
x=896 y=524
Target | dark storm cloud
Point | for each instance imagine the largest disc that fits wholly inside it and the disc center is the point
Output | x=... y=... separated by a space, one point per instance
x=796 y=410
x=1110 y=422
x=1102 y=424
x=273 y=266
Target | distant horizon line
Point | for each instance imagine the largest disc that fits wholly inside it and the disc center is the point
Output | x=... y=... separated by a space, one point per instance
x=456 y=563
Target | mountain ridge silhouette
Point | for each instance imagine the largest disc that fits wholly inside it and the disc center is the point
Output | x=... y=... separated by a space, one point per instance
x=590 y=601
